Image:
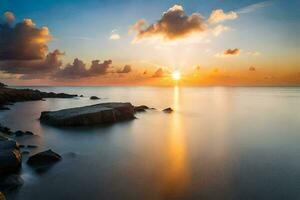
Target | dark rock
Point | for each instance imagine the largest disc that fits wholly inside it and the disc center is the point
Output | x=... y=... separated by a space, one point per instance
x=89 y=115
x=141 y=108
x=168 y=110
x=22 y=133
x=5 y=129
x=11 y=182
x=31 y=146
x=44 y=158
x=2 y=85
x=94 y=98
x=81 y=95
x=10 y=157
x=22 y=146
x=19 y=133
x=4 y=108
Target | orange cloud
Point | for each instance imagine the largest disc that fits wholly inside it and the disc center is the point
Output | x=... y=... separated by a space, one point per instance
x=219 y=15
x=9 y=17
x=233 y=52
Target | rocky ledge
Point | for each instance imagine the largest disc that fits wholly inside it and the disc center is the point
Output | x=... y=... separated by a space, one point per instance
x=11 y=95
x=89 y=115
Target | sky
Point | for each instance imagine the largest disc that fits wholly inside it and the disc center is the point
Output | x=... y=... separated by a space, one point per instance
x=118 y=42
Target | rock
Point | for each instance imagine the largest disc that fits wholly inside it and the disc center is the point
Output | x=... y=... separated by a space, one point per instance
x=44 y=158
x=10 y=95
x=2 y=85
x=94 y=98
x=81 y=95
x=10 y=157
x=5 y=129
x=89 y=115
x=11 y=182
x=168 y=110
x=141 y=108
x=4 y=108
x=22 y=146
x=22 y=133
x=30 y=146
x=2 y=196
x=19 y=133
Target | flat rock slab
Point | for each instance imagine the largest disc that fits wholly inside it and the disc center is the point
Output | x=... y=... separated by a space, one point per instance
x=89 y=115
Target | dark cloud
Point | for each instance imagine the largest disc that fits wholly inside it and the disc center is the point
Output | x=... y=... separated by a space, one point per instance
x=51 y=63
x=23 y=41
x=174 y=24
x=78 y=69
x=232 y=51
x=126 y=69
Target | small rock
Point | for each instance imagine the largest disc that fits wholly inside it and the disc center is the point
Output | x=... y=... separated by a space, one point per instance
x=28 y=133
x=31 y=146
x=22 y=146
x=44 y=158
x=81 y=95
x=141 y=108
x=168 y=110
x=19 y=133
x=94 y=98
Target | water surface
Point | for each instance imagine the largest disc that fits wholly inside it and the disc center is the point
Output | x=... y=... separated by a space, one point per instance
x=220 y=143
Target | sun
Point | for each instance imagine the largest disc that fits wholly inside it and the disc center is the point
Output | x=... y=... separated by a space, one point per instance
x=176 y=75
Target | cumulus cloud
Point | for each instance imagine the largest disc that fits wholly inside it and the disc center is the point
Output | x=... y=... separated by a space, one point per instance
x=23 y=41
x=9 y=17
x=233 y=52
x=51 y=63
x=174 y=24
x=126 y=69
x=219 y=15
x=78 y=69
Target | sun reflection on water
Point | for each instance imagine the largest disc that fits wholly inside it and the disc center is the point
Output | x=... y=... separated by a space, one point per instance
x=175 y=177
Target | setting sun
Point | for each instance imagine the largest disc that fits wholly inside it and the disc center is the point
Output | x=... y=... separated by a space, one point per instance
x=176 y=75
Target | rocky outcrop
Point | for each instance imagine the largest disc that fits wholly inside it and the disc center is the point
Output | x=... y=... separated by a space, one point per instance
x=10 y=156
x=141 y=108
x=89 y=115
x=44 y=158
x=94 y=98
x=168 y=110
x=10 y=95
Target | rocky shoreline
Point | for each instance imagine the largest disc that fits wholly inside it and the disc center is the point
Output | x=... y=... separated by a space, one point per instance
x=8 y=96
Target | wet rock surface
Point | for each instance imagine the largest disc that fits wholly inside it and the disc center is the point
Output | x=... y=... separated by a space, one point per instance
x=10 y=157
x=168 y=110
x=94 y=98
x=44 y=158
x=89 y=115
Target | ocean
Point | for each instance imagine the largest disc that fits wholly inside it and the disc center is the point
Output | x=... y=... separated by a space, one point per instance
x=219 y=143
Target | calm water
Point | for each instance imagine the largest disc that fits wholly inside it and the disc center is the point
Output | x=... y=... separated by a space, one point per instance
x=220 y=143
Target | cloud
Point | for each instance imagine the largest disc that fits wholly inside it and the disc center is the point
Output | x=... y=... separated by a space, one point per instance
x=219 y=15
x=253 y=53
x=159 y=73
x=9 y=17
x=126 y=69
x=254 y=7
x=219 y=29
x=252 y=69
x=45 y=66
x=23 y=41
x=174 y=24
x=78 y=69
x=114 y=36
x=233 y=52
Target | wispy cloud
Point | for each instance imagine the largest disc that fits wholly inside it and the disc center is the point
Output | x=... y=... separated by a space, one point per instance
x=254 y=7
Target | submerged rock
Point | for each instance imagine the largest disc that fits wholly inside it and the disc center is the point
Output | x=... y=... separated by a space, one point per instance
x=22 y=133
x=89 y=115
x=10 y=157
x=94 y=98
x=44 y=158
x=168 y=110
